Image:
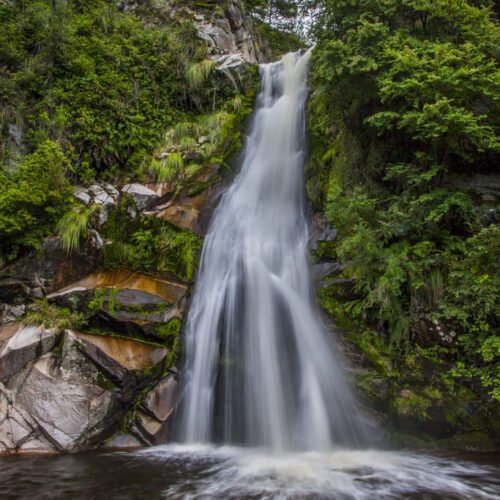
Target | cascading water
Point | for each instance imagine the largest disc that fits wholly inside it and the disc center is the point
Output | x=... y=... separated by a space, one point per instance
x=260 y=369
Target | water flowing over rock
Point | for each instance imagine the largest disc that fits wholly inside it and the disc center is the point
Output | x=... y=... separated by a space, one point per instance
x=260 y=369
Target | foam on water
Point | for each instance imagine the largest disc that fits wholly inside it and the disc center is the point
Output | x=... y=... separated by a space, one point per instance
x=232 y=472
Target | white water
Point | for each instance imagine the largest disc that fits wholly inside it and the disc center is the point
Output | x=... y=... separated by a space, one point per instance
x=207 y=472
x=260 y=369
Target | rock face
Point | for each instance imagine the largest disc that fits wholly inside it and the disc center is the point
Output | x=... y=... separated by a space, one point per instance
x=231 y=34
x=19 y=345
x=126 y=302
x=46 y=270
x=141 y=194
x=108 y=380
x=192 y=207
x=75 y=396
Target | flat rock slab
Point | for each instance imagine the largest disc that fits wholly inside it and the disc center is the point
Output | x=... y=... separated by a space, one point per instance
x=20 y=344
x=129 y=354
x=120 y=279
x=122 y=440
x=150 y=430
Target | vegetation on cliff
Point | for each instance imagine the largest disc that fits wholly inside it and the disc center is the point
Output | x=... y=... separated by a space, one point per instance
x=405 y=111
x=86 y=93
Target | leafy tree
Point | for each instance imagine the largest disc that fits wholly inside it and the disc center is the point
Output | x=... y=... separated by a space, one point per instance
x=32 y=199
x=406 y=102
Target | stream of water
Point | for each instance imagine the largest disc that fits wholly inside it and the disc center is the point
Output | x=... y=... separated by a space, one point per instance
x=260 y=368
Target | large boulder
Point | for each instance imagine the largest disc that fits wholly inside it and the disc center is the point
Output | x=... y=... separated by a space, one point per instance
x=75 y=397
x=142 y=195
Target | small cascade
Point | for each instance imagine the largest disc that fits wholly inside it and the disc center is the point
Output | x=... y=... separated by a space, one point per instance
x=260 y=368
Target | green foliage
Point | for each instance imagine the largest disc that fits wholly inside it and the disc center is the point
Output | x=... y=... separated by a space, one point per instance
x=149 y=245
x=32 y=198
x=41 y=312
x=219 y=131
x=72 y=227
x=100 y=87
x=98 y=81
x=199 y=72
x=406 y=99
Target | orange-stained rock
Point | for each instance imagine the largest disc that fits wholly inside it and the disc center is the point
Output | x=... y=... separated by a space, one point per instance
x=131 y=355
x=169 y=291
x=161 y=188
x=182 y=216
x=185 y=212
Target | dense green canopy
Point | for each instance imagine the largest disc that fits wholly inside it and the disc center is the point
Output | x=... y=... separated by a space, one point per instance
x=405 y=110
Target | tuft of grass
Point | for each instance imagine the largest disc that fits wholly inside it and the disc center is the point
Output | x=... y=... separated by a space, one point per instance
x=187 y=143
x=41 y=312
x=72 y=227
x=183 y=129
x=174 y=162
x=199 y=72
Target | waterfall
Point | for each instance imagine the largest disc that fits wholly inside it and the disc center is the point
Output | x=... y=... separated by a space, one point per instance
x=260 y=367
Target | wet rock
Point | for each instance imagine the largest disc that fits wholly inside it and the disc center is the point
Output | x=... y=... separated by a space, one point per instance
x=142 y=195
x=320 y=231
x=117 y=356
x=20 y=344
x=161 y=401
x=322 y=270
x=122 y=440
x=150 y=430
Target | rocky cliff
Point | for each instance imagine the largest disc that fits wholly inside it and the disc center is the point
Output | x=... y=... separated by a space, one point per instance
x=91 y=334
